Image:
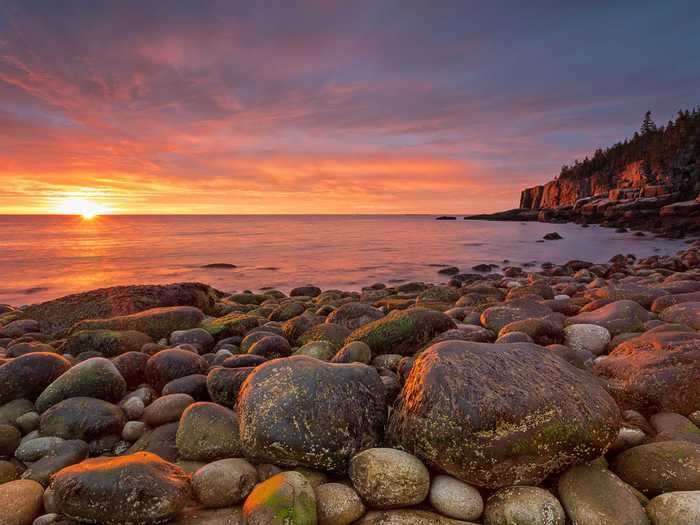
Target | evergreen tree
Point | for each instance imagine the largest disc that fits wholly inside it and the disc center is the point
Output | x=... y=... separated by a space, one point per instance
x=648 y=124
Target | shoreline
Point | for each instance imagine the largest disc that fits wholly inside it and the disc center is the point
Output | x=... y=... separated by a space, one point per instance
x=405 y=404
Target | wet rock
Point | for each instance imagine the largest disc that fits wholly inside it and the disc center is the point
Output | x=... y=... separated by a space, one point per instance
x=132 y=367
x=166 y=409
x=542 y=331
x=224 y=384
x=617 y=317
x=67 y=453
x=334 y=334
x=514 y=337
x=287 y=311
x=321 y=350
x=195 y=336
x=96 y=377
x=675 y=508
x=194 y=385
x=58 y=315
x=387 y=478
x=34 y=449
x=271 y=347
x=21 y=502
x=305 y=291
x=110 y=343
x=553 y=236
x=156 y=322
x=595 y=496
x=587 y=337
x=83 y=418
x=523 y=505
x=283 y=499
x=496 y=317
x=159 y=441
x=18 y=328
x=208 y=432
x=684 y=313
x=455 y=499
x=337 y=504
x=171 y=364
x=224 y=483
x=16 y=350
x=353 y=315
x=139 y=488
x=243 y=361
x=643 y=295
x=234 y=324
x=25 y=377
x=133 y=431
x=402 y=331
x=665 y=301
x=655 y=372
x=510 y=413
x=674 y=427
x=299 y=411
x=655 y=468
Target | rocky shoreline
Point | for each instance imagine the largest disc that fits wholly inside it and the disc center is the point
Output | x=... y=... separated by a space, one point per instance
x=567 y=395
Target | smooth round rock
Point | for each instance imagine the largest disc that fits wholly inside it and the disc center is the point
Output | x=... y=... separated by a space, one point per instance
x=83 y=418
x=224 y=483
x=456 y=499
x=388 y=478
x=195 y=336
x=27 y=376
x=171 y=364
x=10 y=439
x=140 y=488
x=337 y=504
x=21 y=502
x=675 y=508
x=166 y=409
x=523 y=505
x=284 y=499
x=208 y=432
x=587 y=337
x=354 y=352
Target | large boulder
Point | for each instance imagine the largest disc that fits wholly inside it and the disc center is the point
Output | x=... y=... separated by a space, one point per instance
x=402 y=331
x=59 y=315
x=83 y=418
x=617 y=317
x=109 y=343
x=299 y=411
x=26 y=376
x=499 y=414
x=139 y=489
x=156 y=322
x=656 y=371
x=96 y=377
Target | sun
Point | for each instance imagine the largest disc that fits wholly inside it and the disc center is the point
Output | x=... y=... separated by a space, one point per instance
x=86 y=208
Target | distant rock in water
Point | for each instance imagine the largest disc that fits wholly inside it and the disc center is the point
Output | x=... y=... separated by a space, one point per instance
x=446 y=218
x=554 y=236
x=220 y=266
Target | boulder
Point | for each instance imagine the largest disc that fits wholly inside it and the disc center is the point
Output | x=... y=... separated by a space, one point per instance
x=132 y=367
x=139 y=488
x=58 y=315
x=675 y=508
x=195 y=336
x=456 y=499
x=271 y=347
x=284 y=499
x=67 y=453
x=655 y=372
x=354 y=315
x=83 y=418
x=508 y=414
x=156 y=322
x=166 y=409
x=542 y=331
x=617 y=317
x=21 y=502
x=402 y=331
x=587 y=337
x=386 y=478
x=233 y=324
x=683 y=313
x=224 y=483
x=208 y=432
x=496 y=317
x=643 y=295
x=334 y=334
x=96 y=377
x=337 y=504
x=25 y=377
x=110 y=343
x=224 y=384
x=299 y=411
x=655 y=468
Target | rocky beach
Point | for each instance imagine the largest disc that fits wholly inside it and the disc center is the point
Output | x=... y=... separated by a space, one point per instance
x=568 y=395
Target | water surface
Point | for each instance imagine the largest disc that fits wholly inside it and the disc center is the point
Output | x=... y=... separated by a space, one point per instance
x=43 y=257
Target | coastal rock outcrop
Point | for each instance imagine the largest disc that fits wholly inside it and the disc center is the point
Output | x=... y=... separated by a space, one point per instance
x=496 y=415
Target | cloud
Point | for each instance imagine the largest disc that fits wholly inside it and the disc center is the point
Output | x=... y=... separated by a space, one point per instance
x=324 y=106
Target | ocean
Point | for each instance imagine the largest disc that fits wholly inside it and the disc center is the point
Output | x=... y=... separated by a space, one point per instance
x=44 y=257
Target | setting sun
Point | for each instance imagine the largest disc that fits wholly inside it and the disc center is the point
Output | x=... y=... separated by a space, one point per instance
x=87 y=209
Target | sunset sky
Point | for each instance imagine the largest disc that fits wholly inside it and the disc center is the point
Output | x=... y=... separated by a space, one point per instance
x=321 y=106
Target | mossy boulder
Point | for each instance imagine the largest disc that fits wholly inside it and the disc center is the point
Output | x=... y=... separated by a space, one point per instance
x=110 y=343
x=299 y=411
x=438 y=298
x=235 y=324
x=322 y=350
x=139 y=489
x=287 y=311
x=402 y=331
x=58 y=315
x=96 y=377
x=334 y=334
x=354 y=314
x=158 y=323
x=284 y=499
x=506 y=414
x=83 y=418
x=657 y=371
x=27 y=376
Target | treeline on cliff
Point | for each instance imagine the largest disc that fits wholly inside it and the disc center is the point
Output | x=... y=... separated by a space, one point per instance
x=668 y=154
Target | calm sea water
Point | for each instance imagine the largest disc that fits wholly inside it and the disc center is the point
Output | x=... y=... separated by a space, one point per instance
x=43 y=257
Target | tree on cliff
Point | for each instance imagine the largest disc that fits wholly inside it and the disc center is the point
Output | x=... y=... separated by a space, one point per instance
x=648 y=124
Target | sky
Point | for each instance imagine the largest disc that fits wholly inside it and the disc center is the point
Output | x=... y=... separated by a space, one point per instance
x=321 y=106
